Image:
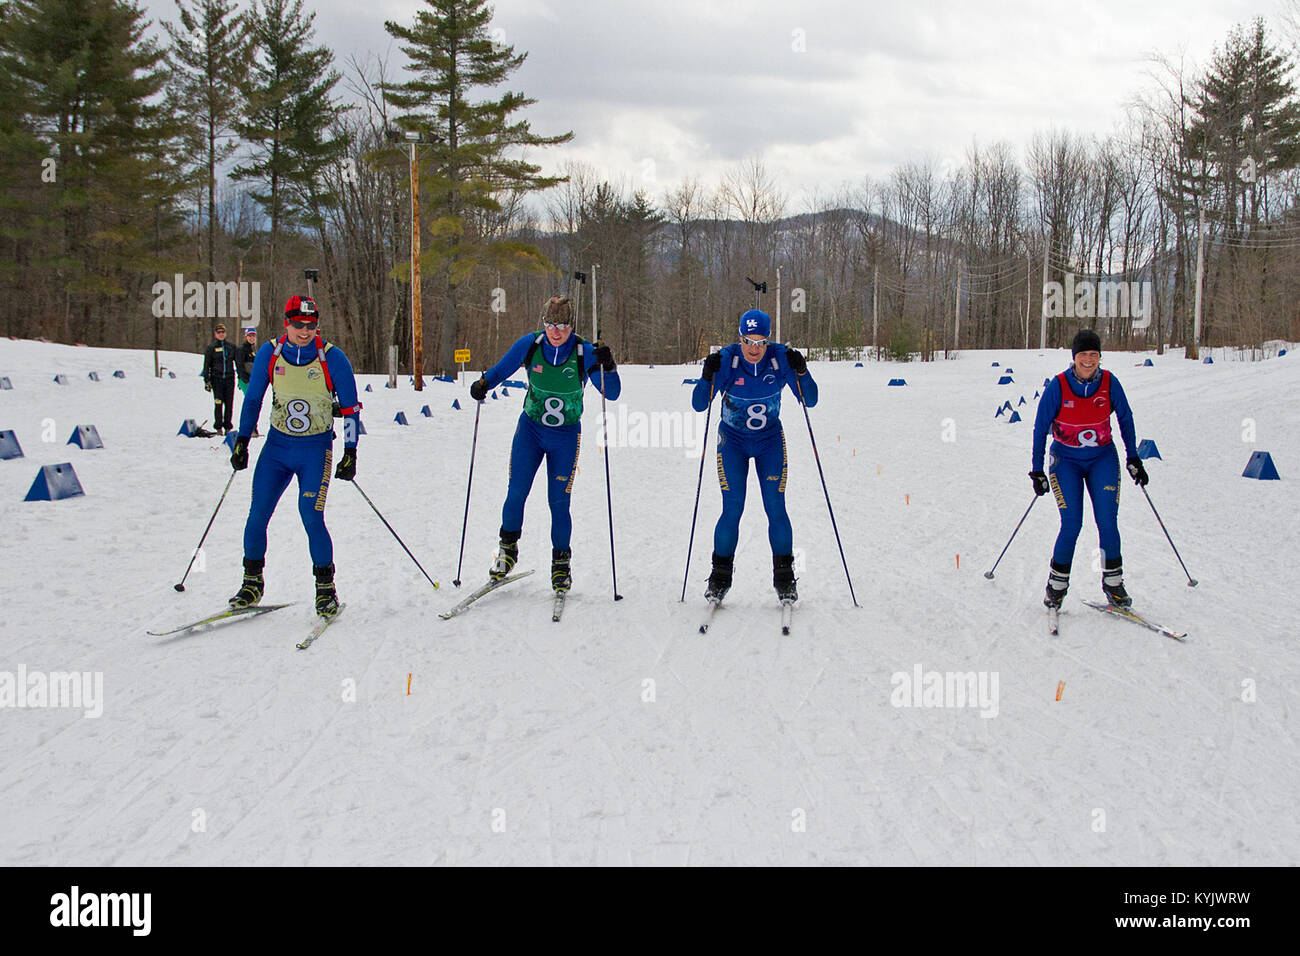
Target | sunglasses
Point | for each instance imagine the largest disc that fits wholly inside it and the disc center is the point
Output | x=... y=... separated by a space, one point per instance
x=219 y=332
x=557 y=326
x=304 y=323
x=752 y=343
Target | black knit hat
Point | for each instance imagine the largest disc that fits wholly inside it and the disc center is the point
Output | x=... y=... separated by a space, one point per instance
x=1085 y=340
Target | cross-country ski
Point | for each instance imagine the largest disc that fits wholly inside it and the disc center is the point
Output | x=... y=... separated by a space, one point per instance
x=228 y=614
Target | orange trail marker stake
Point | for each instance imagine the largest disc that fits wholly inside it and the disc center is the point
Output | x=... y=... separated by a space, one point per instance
x=907 y=499
x=408 y=685
x=1060 y=689
x=959 y=562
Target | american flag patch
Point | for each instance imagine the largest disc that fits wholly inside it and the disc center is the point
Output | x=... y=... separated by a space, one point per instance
x=537 y=368
x=740 y=380
x=1069 y=404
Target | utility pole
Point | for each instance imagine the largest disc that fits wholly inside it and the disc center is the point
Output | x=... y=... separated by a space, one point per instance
x=1042 y=339
x=1029 y=295
x=1193 y=351
x=417 y=325
x=595 y=324
x=875 y=309
x=778 y=305
x=956 y=325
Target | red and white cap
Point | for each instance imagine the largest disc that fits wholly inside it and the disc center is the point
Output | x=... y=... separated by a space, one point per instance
x=300 y=305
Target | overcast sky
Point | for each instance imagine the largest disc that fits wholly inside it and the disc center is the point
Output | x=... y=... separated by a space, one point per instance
x=824 y=92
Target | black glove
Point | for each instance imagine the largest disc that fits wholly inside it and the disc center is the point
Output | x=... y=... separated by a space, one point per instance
x=1041 y=485
x=794 y=358
x=239 y=457
x=347 y=469
x=478 y=391
x=207 y=386
x=711 y=366
x=605 y=357
x=1138 y=471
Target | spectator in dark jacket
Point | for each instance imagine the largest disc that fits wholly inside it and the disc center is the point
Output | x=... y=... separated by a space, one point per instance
x=219 y=379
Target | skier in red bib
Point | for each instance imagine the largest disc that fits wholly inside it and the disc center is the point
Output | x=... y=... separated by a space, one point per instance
x=1076 y=408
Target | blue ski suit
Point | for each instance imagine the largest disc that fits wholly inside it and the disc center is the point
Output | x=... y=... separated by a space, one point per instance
x=1095 y=466
x=286 y=455
x=749 y=427
x=553 y=435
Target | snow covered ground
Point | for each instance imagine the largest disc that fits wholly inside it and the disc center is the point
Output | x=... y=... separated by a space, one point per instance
x=621 y=735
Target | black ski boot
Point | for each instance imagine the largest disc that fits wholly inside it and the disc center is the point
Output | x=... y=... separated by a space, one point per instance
x=327 y=602
x=561 y=580
x=506 y=556
x=1112 y=583
x=719 y=579
x=1058 y=582
x=250 y=592
x=783 y=578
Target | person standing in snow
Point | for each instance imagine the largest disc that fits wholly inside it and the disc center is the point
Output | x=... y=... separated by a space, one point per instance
x=245 y=356
x=558 y=364
x=219 y=379
x=750 y=376
x=311 y=383
x=1076 y=408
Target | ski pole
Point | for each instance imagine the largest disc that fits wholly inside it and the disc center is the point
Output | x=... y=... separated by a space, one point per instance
x=395 y=535
x=468 y=485
x=704 y=443
x=1191 y=581
x=818 y=459
x=181 y=585
x=609 y=499
x=989 y=573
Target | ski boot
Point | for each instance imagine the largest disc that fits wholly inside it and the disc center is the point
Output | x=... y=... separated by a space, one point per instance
x=1112 y=583
x=561 y=580
x=719 y=579
x=1058 y=582
x=783 y=578
x=506 y=556
x=327 y=601
x=250 y=592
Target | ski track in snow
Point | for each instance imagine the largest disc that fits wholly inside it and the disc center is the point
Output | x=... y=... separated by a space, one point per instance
x=523 y=741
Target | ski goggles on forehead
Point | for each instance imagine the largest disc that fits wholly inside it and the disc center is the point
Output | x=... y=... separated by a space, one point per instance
x=304 y=323
x=753 y=342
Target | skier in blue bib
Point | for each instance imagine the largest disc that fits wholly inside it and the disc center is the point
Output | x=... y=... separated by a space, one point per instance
x=1076 y=408
x=558 y=364
x=750 y=376
x=311 y=383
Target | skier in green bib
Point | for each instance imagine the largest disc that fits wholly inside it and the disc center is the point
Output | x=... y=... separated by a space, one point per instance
x=558 y=364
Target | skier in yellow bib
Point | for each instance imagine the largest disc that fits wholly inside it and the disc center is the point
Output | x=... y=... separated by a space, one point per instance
x=311 y=383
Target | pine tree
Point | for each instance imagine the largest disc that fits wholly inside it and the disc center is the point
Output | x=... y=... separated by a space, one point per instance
x=88 y=84
x=209 y=58
x=289 y=112
x=473 y=157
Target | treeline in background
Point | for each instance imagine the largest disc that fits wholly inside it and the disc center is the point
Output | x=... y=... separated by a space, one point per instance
x=236 y=150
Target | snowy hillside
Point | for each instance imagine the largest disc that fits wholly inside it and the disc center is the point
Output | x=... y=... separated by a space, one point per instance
x=622 y=735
